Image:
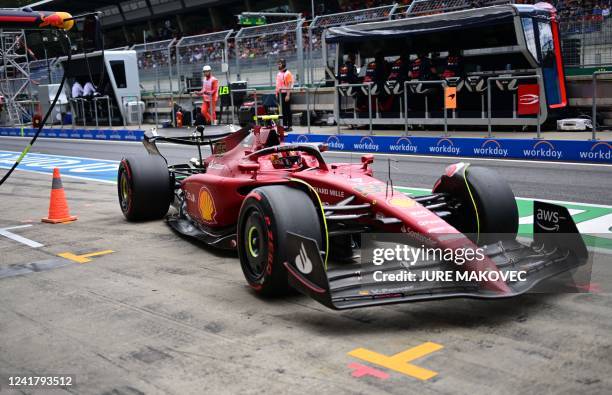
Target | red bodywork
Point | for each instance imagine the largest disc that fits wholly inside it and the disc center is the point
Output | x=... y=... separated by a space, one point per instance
x=214 y=198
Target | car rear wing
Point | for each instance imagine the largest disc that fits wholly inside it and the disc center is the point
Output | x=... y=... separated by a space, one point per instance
x=557 y=248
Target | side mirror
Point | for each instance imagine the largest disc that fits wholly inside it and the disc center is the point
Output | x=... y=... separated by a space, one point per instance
x=367 y=159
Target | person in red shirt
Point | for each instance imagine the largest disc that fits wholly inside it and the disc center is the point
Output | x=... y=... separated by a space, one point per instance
x=210 y=94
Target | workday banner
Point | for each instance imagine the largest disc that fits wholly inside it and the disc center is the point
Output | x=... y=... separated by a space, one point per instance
x=90 y=134
x=554 y=150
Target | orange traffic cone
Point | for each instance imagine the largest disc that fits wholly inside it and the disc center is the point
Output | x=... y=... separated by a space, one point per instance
x=58 y=207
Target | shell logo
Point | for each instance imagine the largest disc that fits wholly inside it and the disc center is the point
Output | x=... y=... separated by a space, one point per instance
x=206 y=205
x=401 y=202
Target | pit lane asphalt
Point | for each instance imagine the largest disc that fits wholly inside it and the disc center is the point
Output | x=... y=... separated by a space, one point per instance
x=572 y=182
x=163 y=314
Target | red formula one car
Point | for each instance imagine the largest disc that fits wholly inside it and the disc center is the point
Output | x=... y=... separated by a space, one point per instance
x=297 y=221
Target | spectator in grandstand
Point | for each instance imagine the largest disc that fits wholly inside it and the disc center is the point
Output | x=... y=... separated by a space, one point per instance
x=77 y=89
x=210 y=94
x=284 y=84
x=597 y=13
x=605 y=11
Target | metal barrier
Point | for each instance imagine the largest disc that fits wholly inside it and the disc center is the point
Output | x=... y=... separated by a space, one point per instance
x=307 y=91
x=594 y=117
x=368 y=85
x=156 y=106
x=45 y=71
x=431 y=7
x=109 y=109
x=79 y=102
x=192 y=52
x=155 y=63
x=520 y=77
x=321 y=22
x=443 y=83
x=586 y=40
x=256 y=47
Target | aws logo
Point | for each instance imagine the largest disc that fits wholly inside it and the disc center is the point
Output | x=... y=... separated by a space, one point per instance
x=445 y=146
x=543 y=149
x=491 y=148
x=366 y=144
x=302 y=138
x=601 y=150
x=403 y=144
x=334 y=143
x=548 y=220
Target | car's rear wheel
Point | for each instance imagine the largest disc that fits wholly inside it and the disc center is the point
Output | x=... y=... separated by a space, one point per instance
x=144 y=187
x=266 y=215
x=487 y=208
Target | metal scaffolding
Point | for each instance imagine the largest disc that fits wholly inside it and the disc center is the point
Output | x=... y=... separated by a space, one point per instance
x=15 y=81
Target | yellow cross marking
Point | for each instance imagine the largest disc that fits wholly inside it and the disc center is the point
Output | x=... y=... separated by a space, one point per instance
x=400 y=361
x=85 y=257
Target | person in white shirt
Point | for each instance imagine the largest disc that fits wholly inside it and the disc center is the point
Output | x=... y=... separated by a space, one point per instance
x=89 y=90
x=77 y=90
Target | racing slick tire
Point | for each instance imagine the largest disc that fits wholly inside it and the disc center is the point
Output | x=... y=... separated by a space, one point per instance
x=266 y=215
x=487 y=210
x=144 y=186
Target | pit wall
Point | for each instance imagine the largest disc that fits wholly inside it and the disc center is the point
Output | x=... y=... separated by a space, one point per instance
x=87 y=134
x=588 y=151
x=528 y=149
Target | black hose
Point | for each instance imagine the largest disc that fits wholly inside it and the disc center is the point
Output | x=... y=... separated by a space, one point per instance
x=49 y=111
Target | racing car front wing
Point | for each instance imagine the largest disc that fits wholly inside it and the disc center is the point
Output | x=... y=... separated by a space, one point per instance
x=557 y=248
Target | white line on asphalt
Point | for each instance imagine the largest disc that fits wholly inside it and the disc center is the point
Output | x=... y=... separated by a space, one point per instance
x=600 y=226
x=20 y=239
x=65 y=175
x=62 y=156
x=82 y=141
x=530 y=199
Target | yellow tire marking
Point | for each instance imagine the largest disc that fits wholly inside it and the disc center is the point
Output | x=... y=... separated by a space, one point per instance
x=85 y=258
x=400 y=361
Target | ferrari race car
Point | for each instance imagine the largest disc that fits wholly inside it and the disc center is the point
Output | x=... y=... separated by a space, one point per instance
x=299 y=222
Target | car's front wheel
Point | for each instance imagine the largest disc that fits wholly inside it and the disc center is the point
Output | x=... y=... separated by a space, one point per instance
x=266 y=215
x=486 y=208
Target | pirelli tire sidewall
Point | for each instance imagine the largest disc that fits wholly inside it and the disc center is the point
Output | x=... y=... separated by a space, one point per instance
x=488 y=205
x=145 y=187
x=282 y=209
